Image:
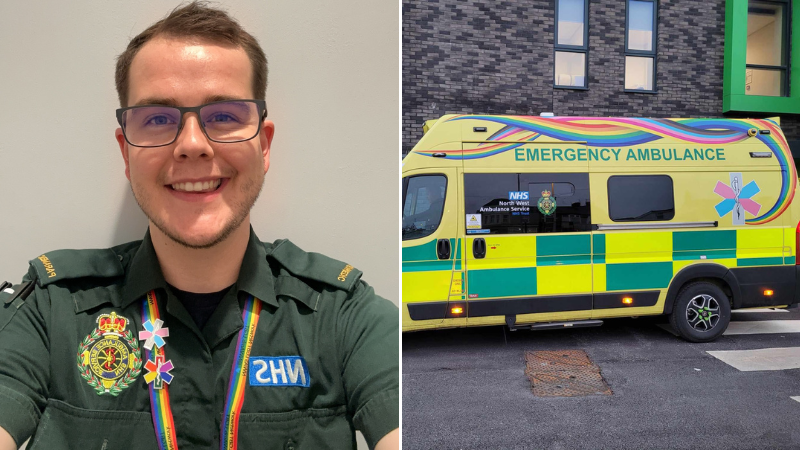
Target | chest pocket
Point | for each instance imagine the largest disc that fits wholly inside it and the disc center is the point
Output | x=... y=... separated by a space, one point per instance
x=297 y=430
x=65 y=426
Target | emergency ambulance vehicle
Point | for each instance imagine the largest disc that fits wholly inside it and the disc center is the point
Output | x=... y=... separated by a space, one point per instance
x=540 y=222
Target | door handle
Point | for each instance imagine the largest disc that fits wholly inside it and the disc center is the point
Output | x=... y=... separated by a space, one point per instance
x=443 y=248
x=479 y=248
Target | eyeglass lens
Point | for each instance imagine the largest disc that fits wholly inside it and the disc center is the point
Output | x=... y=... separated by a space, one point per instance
x=223 y=122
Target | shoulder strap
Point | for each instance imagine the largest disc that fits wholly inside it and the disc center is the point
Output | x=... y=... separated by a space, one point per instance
x=314 y=266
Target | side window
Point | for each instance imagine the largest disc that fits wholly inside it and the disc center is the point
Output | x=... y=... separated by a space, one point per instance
x=560 y=201
x=423 y=203
x=526 y=203
x=639 y=198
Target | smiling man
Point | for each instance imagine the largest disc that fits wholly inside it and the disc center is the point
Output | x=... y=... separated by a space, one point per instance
x=200 y=335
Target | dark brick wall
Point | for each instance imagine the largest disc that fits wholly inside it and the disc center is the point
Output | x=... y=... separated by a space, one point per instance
x=473 y=56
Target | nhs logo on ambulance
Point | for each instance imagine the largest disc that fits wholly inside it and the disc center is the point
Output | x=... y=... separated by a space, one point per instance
x=279 y=371
x=518 y=195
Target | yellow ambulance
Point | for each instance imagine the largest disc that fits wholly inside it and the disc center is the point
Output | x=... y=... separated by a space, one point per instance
x=540 y=222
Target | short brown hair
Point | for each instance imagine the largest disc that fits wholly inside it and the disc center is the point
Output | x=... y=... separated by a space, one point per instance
x=199 y=21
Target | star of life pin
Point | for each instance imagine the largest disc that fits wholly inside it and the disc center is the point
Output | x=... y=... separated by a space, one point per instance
x=158 y=371
x=153 y=334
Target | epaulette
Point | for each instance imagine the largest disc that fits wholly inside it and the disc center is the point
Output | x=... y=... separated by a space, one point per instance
x=314 y=266
x=70 y=264
x=10 y=292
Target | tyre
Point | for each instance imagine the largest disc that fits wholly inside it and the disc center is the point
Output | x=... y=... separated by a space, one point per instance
x=701 y=312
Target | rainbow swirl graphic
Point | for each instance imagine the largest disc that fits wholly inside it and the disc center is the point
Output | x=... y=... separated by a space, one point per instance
x=625 y=132
x=506 y=133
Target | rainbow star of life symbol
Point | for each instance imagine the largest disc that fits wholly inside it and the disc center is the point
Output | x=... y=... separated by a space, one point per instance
x=737 y=199
x=158 y=371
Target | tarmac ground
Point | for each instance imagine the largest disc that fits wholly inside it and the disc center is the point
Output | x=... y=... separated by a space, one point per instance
x=467 y=389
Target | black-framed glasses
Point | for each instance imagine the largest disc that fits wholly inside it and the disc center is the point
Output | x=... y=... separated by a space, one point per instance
x=225 y=121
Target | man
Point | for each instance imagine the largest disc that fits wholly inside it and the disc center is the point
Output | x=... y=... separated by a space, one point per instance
x=200 y=335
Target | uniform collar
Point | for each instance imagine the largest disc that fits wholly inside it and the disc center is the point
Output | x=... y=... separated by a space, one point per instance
x=255 y=276
x=144 y=273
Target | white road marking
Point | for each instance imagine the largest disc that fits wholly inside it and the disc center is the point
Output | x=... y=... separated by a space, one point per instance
x=763 y=327
x=797 y=398
x=763 y=359
x=752 y=327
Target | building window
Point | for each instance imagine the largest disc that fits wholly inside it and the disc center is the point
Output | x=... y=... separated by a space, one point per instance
x=767 y=52
x=759 y=38
x=639 y=198
x=572 y=43
x=640 y=46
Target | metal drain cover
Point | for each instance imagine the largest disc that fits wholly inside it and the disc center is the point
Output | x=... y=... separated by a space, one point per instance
x=565 y=373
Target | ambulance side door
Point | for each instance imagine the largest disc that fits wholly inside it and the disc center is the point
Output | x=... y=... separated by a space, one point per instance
x=430 y=245
x=529 y=245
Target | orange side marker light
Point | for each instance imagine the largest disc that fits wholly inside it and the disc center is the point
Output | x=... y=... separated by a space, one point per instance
x=456 y=310
x=768 y=292
x=627 y=300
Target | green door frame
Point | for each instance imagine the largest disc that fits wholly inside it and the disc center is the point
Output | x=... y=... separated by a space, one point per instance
x=733 y=93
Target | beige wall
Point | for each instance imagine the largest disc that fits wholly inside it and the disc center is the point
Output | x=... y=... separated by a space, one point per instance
x=333 y=95
x=766 y=31
x=763 y=33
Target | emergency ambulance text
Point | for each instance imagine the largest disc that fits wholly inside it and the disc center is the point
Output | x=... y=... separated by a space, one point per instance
x=617 y=154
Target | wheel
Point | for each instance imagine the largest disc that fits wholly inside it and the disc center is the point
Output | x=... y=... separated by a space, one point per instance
x=701 y=312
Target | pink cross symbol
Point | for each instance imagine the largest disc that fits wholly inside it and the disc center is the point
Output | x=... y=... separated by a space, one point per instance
x=153 y=334
x=737 y=197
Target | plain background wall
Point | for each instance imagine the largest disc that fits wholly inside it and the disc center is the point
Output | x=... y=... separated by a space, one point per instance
x=333 y=94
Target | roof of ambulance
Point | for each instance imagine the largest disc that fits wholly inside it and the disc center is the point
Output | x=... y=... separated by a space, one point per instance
x=592 y=130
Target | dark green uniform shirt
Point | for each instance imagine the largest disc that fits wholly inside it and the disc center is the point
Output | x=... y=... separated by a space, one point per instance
x=313 y=307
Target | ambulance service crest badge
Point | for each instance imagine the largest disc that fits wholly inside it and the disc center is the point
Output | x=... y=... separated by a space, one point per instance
x=109 y=358
x=546 y=204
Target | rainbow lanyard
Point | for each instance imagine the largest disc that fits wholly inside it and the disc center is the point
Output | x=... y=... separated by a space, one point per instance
x=159 y=397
